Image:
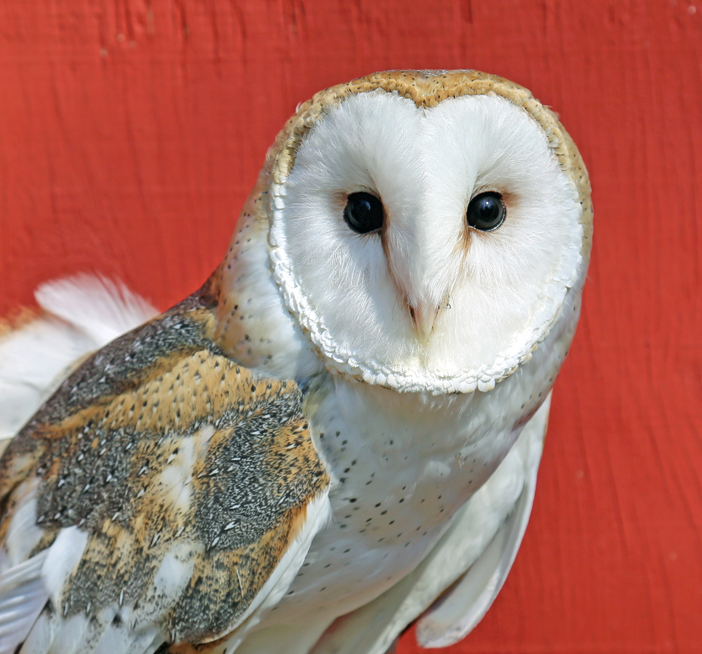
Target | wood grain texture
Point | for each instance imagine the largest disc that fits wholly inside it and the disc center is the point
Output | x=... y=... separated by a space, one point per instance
x=131 y=132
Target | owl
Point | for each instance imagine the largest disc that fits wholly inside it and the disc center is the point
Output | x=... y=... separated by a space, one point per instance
x=339 y=433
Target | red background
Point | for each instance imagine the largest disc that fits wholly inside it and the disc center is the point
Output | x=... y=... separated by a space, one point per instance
x=131 y=132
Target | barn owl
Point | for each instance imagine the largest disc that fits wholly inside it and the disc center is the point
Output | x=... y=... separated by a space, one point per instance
x=338 y=434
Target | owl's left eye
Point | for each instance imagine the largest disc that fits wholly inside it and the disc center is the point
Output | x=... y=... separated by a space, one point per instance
x=486 y=211
x=363 y=213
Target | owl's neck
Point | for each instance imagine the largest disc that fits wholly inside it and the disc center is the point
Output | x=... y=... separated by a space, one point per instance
x=253 y=326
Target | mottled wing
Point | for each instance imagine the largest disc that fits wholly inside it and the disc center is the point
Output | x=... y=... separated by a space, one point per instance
x=173 y=493
x=456 y=584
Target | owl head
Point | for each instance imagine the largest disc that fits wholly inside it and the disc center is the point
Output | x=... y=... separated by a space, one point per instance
x=424 y=229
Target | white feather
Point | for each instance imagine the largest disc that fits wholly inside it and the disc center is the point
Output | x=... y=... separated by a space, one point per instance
x=62 y=559
x=298 y=638
x=481 y=539
x=83 y=313
x=42 y=633
x=100 y=308
x=123 y=640
x=23 y=533
x=22 y=597
x=102 y=635
x=458 y=612
x=71 y=635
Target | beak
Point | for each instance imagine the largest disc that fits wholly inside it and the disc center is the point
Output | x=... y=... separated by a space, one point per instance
x=423 y=317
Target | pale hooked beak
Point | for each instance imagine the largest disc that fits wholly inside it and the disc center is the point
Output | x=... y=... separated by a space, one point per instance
x=424 y=317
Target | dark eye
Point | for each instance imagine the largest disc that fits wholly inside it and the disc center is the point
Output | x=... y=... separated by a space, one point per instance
x=486 y=211
x=363 y=213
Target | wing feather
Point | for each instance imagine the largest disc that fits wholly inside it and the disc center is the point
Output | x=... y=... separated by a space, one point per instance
x=41 y=635
x=318 y=515
x=22 y=597
x=176 y=494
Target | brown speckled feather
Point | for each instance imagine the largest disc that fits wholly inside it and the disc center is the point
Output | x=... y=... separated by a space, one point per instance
x=161 y=445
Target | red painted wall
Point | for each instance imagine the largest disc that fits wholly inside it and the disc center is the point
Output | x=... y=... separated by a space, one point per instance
x=131 y=131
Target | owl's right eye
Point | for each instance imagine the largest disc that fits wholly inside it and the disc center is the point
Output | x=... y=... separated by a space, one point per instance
x=363 y=213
